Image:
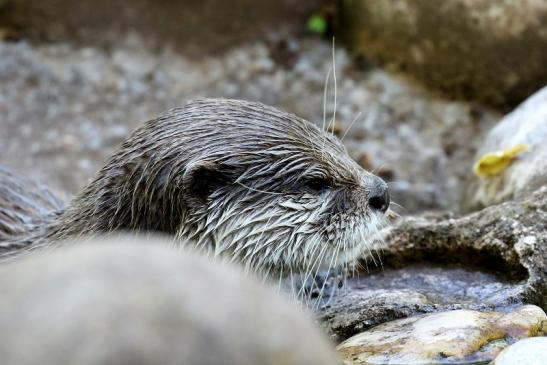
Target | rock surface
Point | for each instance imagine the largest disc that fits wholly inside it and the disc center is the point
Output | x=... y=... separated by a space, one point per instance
x=530 y=351
x=120 y=301
x=454 y=337
x=510 y=238
x=487 y=50
x=526 y=125
x=495 y=258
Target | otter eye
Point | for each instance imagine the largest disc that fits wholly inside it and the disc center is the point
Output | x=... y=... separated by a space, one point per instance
x=316 y=185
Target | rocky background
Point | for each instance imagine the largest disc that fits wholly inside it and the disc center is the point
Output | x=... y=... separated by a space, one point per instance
x=423 y=92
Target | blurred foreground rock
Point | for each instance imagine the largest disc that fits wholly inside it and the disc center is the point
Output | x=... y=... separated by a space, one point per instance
x=454 y=337
x=487 y=50
x=494 y=258
x=526 y=125
x=112 y=302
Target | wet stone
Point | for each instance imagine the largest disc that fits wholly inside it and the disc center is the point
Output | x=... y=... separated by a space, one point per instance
x=530 y=351
x=385 y=294
x=493 y=259
x=454 y=337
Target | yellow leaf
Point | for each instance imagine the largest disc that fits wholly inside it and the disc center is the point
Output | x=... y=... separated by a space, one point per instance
x=496 y=162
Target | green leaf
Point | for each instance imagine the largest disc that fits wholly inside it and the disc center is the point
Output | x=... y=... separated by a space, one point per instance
x=317 y=24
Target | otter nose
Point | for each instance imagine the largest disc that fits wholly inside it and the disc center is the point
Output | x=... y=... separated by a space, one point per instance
x=378 y=198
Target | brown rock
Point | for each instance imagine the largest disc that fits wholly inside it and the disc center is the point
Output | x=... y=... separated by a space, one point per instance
x=484 y=50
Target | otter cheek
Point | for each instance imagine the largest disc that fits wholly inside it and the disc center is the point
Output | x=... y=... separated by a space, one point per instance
x=346 y=200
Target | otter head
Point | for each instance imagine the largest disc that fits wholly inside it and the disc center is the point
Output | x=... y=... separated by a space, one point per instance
x=240 y=180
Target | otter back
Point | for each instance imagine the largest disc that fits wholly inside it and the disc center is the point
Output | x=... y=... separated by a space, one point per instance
x=24 y=204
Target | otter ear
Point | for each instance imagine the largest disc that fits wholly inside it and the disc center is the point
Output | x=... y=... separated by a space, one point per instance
x=201 y=178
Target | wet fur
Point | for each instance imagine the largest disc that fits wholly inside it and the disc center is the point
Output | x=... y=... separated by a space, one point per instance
x=231 y=178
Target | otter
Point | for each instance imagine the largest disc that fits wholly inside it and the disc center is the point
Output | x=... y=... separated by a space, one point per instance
x=235 y=179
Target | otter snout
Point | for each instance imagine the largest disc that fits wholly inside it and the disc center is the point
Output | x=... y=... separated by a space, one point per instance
x=378 y=198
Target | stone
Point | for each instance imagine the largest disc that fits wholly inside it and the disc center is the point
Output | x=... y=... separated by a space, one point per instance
x=490 y=260
x=454 y=337
x=139 y=301
x=526 y=125
x=530 y=351
x=488 y=50
x=508 y=238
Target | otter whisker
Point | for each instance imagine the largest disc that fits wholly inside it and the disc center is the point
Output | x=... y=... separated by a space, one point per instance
x=393 y=182
x=332 y=260
x=391 y=214
x=266 y=272
x=257 y=190
x=371 y=255
x=351 y=125
x=318 y=260
x=307 y=271
x=315 y=243
x=321 y=258
x=325 y=98
x=333 y=120
x=397 y=205
x=379 y=258
x=362 y=235
x=378 y=168
x=264 y=230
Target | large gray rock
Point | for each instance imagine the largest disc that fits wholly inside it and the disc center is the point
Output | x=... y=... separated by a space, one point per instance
x=488 y=260
x=526 y=125
x=487 y=50
x=123 y=303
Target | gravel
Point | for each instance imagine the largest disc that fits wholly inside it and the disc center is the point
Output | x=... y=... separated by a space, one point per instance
x=63 y=110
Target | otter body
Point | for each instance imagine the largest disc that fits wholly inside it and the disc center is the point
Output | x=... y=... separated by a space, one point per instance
x=233 y=178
